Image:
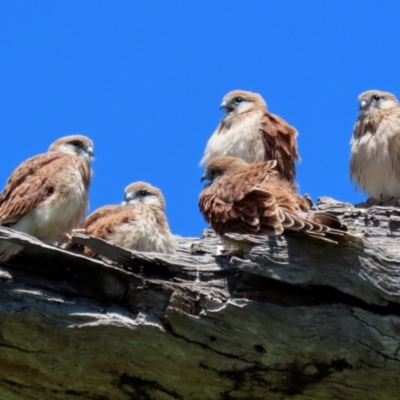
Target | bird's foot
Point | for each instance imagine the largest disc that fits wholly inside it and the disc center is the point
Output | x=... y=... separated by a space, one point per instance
x=372 y=201
x=228 y=251
x=68 y=237
x=396 y=201
x=78 y=230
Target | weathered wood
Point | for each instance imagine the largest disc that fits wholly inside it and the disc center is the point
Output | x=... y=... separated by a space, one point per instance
x=297 y=318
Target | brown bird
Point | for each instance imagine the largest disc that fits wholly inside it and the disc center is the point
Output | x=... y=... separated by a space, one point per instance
x=47 y=195
x=249 y=131
x=139 y=223
x=252 y=199
x=375 y=147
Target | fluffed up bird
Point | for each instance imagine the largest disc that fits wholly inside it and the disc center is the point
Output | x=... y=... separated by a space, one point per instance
x=251 y=199
x=139 y=223
x=47 y=195
x=250 y=132
x=375 y=147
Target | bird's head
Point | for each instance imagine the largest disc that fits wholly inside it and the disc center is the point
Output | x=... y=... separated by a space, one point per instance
x=78 y=145
x=220 y=166
x=376 y=100
x=144 y=193
x=240 y=101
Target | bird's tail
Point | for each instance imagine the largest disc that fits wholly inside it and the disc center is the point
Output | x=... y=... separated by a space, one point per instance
x=320 y=225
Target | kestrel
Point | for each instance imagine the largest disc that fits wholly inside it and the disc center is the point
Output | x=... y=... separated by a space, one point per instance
x=252 y=199
x=139 y=223
x=47 y=195
x=375 y=147
x=249 y=131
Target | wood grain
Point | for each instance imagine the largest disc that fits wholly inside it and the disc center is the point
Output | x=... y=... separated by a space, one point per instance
x=297 y=319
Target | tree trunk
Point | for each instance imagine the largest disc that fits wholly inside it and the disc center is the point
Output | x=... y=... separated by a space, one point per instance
x=297 y=318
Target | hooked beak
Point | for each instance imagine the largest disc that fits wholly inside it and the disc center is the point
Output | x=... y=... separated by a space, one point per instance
x=90 y=151
x=363 y=104
x=205 y=178
x=128 y=197
x=223 y=105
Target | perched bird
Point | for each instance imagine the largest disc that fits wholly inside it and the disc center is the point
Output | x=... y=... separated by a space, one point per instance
x=47 y=195
x=375 y=147
x=249 y=131
x=139 y=223
x=252 y=199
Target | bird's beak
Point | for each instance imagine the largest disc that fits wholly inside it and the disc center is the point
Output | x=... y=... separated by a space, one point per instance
x=223 y=104
x=128 y=197
x=206 y=178
x=90 y=151
x=363 y=104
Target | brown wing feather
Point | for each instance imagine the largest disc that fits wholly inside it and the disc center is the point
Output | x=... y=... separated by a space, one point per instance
x=101 y=223
x=34 y=180
x=233 y=188
x=287 y=211
x=243 y=216
x=280 y=144
x=267 y=209
x=329 y=220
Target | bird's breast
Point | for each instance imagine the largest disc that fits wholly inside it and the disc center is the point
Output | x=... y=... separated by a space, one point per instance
x=242 y=139
x=64 y=209
x=372 y=167
x=143 y=233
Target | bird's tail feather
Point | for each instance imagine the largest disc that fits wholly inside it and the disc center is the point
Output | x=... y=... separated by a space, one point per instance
x=320 y=225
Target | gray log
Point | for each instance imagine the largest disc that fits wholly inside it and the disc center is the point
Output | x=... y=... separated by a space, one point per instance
x=297 y=318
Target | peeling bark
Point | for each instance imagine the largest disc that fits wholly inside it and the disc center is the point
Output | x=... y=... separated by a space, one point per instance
x=296 y=319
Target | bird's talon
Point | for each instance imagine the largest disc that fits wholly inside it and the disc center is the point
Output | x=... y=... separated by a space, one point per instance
x=68 y=237
x=372 y=201
x=79 y=230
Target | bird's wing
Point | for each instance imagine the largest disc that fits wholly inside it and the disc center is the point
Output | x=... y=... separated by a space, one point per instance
x=232 y=203
x=279 y=139
x=391 y=127
x=102 y=222
x=234 y=187
x=31 y=183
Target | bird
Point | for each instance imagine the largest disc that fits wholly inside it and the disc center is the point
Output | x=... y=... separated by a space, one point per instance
x=249 y=131
x=252 y=199
x=139 y=223
x=375 y=147
x=47 y=195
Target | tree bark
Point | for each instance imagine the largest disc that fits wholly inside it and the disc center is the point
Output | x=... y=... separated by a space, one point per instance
x=296 y=318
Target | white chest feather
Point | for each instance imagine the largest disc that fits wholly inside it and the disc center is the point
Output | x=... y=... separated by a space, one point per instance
x=143 y=234
x=59 y=213
x=242 y=139
x=374 y=165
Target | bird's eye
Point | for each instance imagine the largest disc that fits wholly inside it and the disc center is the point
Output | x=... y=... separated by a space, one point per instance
x=238 y=100
x=376 y=97
x=142 y=193
x=76 y=143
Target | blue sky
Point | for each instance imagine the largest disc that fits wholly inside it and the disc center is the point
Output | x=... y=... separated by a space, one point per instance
x=144 y=81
